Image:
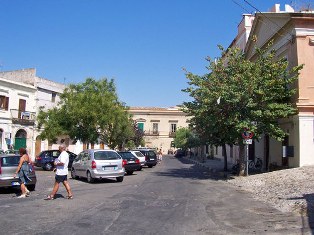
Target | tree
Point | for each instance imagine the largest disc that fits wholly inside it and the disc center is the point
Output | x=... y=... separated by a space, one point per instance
x=185 y=138
x=89 y=112
x=238 y=94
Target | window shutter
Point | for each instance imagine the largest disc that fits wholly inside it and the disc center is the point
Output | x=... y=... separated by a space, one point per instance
x=6 y=105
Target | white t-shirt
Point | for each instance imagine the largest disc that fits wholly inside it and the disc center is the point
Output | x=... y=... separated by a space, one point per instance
x=64 y=158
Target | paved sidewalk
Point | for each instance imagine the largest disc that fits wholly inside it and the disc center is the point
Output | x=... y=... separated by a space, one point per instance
x=214 y=165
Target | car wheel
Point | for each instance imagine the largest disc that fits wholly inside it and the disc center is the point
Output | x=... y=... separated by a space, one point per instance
x=73 y=174
x=48 y=166
x=90 y=179
x=120 y=179
x=129 y=172
x=31 y=187
x=141 y=168
x=150 y=166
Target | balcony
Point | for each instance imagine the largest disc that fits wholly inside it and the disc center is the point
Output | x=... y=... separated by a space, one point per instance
x=151 y=133
x=172 y=134
x=23 y=117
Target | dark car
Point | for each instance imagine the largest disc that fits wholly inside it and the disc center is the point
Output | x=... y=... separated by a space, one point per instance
x=8 y=165
x=130 y=162
x=150 y=157
x=179 y=153
x=46 y=159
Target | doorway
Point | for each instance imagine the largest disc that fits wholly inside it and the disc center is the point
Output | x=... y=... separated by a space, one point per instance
x=20 y=139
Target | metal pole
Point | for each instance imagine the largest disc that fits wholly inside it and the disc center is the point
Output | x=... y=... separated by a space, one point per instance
x=246 y=159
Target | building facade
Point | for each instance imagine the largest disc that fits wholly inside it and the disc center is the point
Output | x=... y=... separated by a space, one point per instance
x=159 y=125
x=292 y=36
x=22 y=94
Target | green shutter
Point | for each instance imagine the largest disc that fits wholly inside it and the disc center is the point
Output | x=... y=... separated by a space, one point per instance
x=140 y=126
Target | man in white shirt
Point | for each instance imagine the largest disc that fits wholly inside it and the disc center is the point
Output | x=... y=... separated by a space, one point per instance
x=61 y=164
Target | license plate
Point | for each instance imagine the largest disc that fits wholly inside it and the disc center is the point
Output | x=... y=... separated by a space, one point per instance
x=15 y=183
x=131 y=161
x=152 y=159
x=108 y=168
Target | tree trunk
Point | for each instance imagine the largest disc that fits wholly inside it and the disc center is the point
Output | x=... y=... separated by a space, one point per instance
x=224 y=153
x=241 y=160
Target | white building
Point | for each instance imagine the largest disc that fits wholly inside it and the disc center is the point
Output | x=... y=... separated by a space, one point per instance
x=17 y=114
x=22 y=93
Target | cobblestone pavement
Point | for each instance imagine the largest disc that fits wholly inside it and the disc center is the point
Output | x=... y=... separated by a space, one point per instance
x=289 y=190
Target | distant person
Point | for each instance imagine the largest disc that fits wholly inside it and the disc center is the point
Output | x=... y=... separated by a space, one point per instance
x=159 y=156
x=61 y=164
x=23 y=172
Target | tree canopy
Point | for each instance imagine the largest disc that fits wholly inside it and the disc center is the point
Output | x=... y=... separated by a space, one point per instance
x=240 y=94
x=89 y=112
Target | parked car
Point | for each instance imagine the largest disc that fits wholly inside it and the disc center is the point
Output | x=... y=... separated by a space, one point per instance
x=130 y=162
x=8 y=165
x=98 y=164
x=12 y=151
x=150 y=156
x=141 y=157
x=46 y=159
x=179 y=153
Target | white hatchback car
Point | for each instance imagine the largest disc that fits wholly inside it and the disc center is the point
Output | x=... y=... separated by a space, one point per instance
x=140 y=156
x=98 y=164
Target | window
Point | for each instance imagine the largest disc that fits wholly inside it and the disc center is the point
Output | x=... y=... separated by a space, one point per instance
x=155 y=128
x=140 y=126
x=106 y=155
x=4 y=102
x=53 y=97
x=173 y=127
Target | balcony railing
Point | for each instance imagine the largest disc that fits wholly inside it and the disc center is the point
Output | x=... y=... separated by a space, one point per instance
x=23 y=117
x=151 y=132
x=172 y=134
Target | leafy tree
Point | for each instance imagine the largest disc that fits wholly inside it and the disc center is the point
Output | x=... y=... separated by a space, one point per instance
x=185 y=138
x=89 y=112
x=239 y=94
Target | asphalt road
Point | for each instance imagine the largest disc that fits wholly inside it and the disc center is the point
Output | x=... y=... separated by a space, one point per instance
x=175 y=197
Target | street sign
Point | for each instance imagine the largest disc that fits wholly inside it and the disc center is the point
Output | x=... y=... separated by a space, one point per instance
x=247 y=134
x=247 y=141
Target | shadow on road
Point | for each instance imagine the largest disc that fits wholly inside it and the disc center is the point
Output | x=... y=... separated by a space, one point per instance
x=196 y=172
x=307 y=212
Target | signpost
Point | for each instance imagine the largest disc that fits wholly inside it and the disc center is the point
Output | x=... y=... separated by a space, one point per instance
x=247 y=139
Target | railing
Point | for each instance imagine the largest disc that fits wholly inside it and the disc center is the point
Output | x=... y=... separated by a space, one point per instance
x=172 y=134
x=151 y=132
x=23 y=117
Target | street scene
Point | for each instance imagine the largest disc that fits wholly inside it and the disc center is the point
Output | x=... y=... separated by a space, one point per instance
x=157 y=117
x=175 y=197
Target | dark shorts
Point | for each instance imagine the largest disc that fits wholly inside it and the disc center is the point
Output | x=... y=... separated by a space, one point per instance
x=61 y=178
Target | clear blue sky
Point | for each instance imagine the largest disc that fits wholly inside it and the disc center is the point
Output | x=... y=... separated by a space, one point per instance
x=142 y=44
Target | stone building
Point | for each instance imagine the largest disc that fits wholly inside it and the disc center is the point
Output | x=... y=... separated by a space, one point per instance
x=159 y=125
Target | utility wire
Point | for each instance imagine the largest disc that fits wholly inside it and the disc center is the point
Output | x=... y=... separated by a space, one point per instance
x=267 y=18
x=247 y=11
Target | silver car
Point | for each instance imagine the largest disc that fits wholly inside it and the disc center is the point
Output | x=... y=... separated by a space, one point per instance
x=8 y=165
x=98 y=164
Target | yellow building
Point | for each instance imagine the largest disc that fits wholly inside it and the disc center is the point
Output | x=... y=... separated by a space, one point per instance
x=159 y=125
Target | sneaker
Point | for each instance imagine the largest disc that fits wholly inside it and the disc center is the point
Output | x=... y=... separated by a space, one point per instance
x=28 y=193
x=22 y=196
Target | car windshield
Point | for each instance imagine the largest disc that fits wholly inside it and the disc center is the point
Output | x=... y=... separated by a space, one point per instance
x=151 y=154
x=126 y=155
x=139 y=154
x=10 y=161
x=106 y=155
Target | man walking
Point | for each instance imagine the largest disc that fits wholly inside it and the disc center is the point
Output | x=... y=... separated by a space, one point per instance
x=61 y=164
